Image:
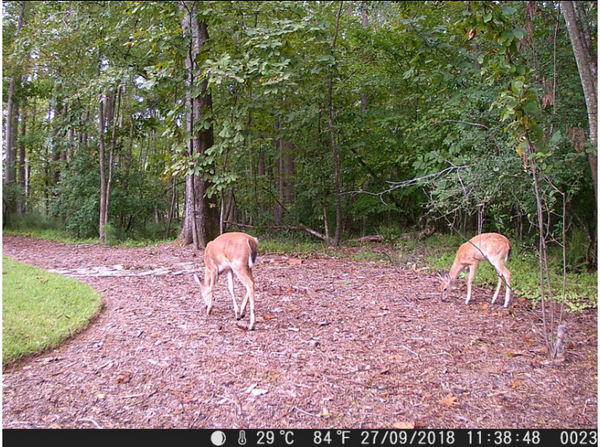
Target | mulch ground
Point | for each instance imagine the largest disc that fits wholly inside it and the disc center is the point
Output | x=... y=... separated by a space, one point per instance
x=337 y=344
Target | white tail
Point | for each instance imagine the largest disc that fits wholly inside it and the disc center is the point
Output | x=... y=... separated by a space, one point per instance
x=491 y=247
x=231 y=253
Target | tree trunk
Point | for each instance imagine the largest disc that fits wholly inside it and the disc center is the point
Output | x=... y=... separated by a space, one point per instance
x=279 y=177
x=20 y=170
x=201 y=221
x=586 y=65
x=11 y=124
x=334 y=149
x=101 y=153
x=9 y=159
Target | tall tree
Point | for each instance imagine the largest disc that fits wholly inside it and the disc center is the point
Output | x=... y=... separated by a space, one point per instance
x=12 y=120
x=201 y=221
x=334 y=148
x=585 y=56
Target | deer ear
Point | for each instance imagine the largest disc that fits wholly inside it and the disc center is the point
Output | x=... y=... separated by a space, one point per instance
x=447 y=276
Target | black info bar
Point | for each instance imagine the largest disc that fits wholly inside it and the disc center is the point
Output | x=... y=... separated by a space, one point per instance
x=310 y=437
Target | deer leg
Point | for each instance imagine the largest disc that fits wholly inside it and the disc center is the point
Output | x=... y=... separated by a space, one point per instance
x=470 y=276
x=251 y=311
x=497 y=289
x=507 y=276
x=248 y=282
x=235 y=306
x=210 y=279
x=503 y=276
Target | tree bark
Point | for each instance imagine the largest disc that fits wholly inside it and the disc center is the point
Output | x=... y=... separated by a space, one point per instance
x=201 y=221
x=11 y=123
x=103 y=220
x=586 y=65
x=9 y=159
x=335 y=154
x=21 y=171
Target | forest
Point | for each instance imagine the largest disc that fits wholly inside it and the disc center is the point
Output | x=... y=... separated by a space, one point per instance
x=359 y=133
x=178 y=120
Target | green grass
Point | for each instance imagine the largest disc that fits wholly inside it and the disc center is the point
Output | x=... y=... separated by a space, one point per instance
x=39 y=227
x=40 y=310
x=47 y=235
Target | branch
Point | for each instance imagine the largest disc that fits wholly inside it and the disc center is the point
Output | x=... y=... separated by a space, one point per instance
x=299 y=227
x=411 y=182
x=468 y=123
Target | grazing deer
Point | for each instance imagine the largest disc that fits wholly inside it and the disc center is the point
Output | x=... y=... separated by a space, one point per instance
x=491 y=247
x=231 y=253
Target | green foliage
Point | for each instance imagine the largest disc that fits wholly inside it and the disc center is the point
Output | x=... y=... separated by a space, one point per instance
x=40 y=310
x=33 y=222
x=113 y=235
x=78 y=197
x=418 y=89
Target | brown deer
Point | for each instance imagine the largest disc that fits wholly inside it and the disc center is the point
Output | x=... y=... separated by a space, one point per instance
x=491 y=247
x=231 y=253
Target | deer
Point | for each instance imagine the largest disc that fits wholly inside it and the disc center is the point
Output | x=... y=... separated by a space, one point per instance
x=491 y=247
x=230 y=253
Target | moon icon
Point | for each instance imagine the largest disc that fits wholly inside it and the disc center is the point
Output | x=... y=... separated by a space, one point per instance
x=218 y=437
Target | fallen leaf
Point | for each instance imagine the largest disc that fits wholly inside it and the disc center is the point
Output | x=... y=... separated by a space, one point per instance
x=269 y=317
x=528 y=337
x=295 y=261
x=535 y=363
x=515 y=384
x=450 y=401
x=395 y=357
x=403 y=425
x=124 y=377
x=512 y=354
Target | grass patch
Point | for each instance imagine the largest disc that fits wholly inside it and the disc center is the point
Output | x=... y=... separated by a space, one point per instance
x=40 y=310
x=39 y=227
x=47 y=235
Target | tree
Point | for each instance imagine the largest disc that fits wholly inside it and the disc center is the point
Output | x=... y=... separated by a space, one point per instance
x=200 y=224
x=11 y=123
x=586 y=58
x=275 y=121
x=334 y=148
